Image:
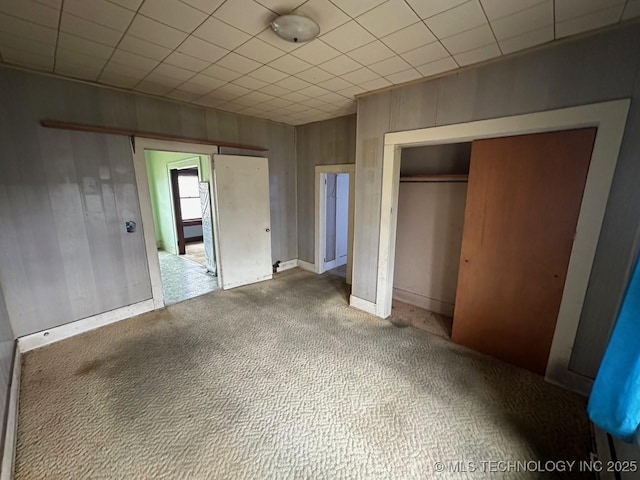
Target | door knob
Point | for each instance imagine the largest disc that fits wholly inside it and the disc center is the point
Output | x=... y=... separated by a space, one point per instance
x=268 y=230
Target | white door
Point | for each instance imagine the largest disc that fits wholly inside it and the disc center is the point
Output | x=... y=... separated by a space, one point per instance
x=243 y=219
x=342 y=218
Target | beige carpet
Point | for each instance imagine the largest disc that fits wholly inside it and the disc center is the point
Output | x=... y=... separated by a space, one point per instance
x=280 y=380
x=195 y=252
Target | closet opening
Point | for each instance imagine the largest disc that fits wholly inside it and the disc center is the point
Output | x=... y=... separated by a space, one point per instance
x=431 y=207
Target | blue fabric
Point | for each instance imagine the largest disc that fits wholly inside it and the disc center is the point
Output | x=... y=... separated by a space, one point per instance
x=615 y=400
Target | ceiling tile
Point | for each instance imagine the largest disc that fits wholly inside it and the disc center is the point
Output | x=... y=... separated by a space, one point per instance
x=268 y=35
x=89 y=30
x=173 y=72
x=334 y=84
x=425 y=54
x=371 y=53
x=529 y=39
x=409 y=38
x=456 y=20
x=51 y=3
x=353 y=8
x=478 y=55
x=207 y=6
x=566 y=9
x=22 y=28
x=433 y=68
x=376 y=84
x=292 y=83
x=46 y=49
x=230 y=91
x=259 y=51
x=32 y=11
x=314 y=75
x=340 y=65
x=360 y=76
x=179 y=59
x=195 y=47
x=124 y=71
x=631 y=10
x=138 y=46
x=26 y=59
x=249 y=82
x=533 y=18
x=152 y=87
x=403 y=76
x=426 y=9
x=312 y=102
x=256 y=97
x=274 y=90
x=316 y=52
x=68 y=68
x=324 y=13
x=100 y=12
x=128 y=4
x=281 y=7
x=117 y=80
x=313 y=91
x=502 y=8
x=128 y=59
x=155 y=32
x=173 y=12
x=289 y=64
x=268 y=74
x=591 y=21
x=221 y=34
x=209 y=100
x=69 y=57
x=330 y=97
x=348 y=37
x=238 y=63
x=389 y=66
x=247 y=15
x=469 y=39
x=182 y=95
x=351 y=91
x=387 y=18
x=221 y=73
x=277 y=103
x=82 y=45
x=202 y=84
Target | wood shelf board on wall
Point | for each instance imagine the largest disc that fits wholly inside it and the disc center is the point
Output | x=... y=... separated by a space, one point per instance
x=136 y=133
x=436 y=178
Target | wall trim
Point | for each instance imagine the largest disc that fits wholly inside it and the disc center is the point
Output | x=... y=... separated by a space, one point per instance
x=320 y=214
x=610 y=119
x=364 y=305
x=310 y=267
x=419 y=300
x=287 y=265
x=68 y=330
x=11 y=426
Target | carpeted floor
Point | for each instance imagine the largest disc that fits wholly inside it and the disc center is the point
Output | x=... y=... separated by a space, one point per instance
x=281 y=380
x=195 y=252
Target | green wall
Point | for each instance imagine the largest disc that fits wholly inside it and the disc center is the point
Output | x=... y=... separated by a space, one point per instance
x=158 y=165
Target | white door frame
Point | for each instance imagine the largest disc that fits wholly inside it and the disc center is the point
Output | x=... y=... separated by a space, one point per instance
x=144 y=197
x=320 y=213
x=610 y=119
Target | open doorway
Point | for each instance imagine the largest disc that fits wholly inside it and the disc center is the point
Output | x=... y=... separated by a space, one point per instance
x=181 y=207
x=334 y=219
x=431 y=208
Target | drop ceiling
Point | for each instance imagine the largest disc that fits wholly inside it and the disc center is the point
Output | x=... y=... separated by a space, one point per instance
x=222 y=54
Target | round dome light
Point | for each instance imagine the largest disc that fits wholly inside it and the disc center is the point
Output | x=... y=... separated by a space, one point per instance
x=295 y=28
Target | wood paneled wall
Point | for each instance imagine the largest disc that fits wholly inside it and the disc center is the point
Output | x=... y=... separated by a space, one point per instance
x=48 y=250
x=331 y=142
x=586 y=70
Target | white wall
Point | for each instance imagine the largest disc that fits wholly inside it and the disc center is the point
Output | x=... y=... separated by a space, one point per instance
x=428 y=243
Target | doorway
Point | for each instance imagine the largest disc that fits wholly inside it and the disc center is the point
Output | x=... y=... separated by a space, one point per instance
x=334 y=219
x=179 y=184
x=609 y=118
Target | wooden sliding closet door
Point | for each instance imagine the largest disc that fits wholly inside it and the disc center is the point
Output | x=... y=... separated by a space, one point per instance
x=523 y=201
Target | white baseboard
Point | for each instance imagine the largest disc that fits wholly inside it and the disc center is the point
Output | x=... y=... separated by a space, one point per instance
x=46 y=337
x=310 y=267
x=11 y=427
x=364 y=305
x=422 y=301
x=289 y=264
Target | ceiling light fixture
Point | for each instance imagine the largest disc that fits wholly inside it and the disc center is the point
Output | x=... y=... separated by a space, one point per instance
x=295 y=28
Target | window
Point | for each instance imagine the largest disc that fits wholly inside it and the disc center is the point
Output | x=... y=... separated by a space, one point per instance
x=188 y=186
